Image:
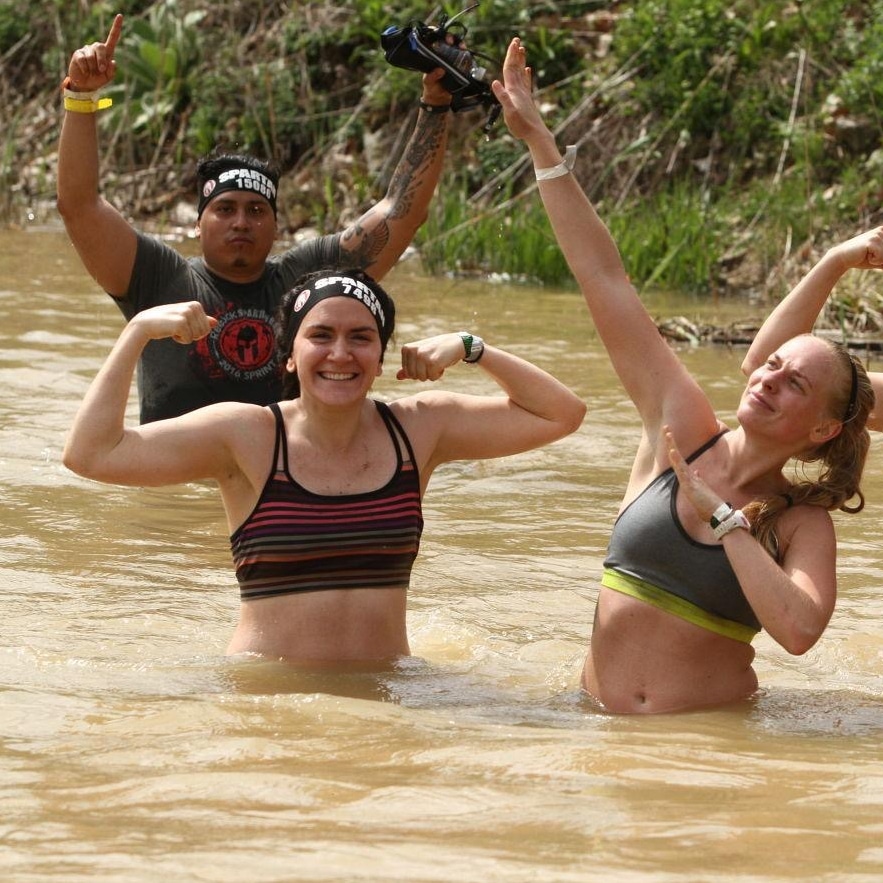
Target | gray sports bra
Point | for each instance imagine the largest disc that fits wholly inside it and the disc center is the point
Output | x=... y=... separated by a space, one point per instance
x=651 y=557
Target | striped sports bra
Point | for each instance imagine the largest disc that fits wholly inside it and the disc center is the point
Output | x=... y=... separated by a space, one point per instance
x=298 y=541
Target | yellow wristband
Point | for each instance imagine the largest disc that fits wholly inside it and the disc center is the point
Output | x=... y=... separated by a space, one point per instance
x=86 y=105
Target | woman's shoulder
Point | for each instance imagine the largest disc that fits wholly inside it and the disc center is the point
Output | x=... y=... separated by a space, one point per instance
x=811 y=525
x=805 y=513
x=225 y=422
x=237 y=411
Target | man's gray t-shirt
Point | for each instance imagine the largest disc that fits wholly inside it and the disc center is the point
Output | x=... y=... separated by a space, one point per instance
x=237 y=361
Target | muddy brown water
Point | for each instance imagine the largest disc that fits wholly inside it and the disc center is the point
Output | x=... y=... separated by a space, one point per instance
x=132 y=750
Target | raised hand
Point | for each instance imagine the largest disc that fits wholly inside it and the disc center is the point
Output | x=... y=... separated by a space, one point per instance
x=863 y=252
x=514 y=93
x=700 y=495
x=433 y=91
x=93 y=67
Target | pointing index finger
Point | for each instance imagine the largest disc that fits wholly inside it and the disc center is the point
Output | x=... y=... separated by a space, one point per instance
x=114 y=35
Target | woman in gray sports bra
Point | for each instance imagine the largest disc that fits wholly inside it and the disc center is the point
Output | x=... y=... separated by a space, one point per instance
x=706 y=552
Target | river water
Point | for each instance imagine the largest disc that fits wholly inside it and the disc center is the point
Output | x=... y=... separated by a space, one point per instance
x=132 y=750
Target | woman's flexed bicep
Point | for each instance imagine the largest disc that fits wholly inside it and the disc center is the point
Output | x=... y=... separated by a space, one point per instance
x=532 y=409
x=101 y=446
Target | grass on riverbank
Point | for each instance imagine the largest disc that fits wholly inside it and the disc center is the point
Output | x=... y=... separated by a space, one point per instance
x=726 y=142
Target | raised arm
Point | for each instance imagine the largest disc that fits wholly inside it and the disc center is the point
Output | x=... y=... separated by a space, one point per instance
x=535 y=408
x=195 y=446
x=103 y=238
x=653 y=376
x=377 y=240
x=797 y=312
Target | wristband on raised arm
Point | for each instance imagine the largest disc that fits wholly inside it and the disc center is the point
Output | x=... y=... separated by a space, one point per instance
x=82 y=102
x=565 y=167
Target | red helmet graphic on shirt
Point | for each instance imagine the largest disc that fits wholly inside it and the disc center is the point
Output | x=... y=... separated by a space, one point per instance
x=242 y=346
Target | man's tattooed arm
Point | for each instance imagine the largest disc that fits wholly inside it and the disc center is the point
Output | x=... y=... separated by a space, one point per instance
x=377 y=240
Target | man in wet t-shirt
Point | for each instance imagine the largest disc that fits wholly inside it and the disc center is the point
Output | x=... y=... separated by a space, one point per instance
x=236 y=279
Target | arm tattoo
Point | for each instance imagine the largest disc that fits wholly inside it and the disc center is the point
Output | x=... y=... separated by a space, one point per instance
x=372 y=229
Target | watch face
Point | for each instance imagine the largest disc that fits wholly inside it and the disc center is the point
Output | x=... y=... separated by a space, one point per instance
x=721 y=514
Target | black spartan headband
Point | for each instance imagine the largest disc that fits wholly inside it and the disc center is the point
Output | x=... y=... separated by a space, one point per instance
x=240 y=180
x=343 y=286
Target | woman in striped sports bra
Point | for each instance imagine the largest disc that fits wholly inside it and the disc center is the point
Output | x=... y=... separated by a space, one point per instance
x=323 y=490
x=708 y=550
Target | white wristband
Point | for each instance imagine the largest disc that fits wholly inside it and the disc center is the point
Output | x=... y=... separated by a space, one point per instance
x=565 y=167
x=722 y=513
x=81 y=96
x=734 y=521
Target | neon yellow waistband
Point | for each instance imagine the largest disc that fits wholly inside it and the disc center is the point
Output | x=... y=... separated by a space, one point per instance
x=650 y=594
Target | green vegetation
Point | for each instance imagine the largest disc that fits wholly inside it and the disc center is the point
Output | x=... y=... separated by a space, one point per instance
x=726 y=142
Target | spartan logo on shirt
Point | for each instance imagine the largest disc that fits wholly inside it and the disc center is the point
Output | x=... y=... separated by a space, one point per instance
x=242 y=346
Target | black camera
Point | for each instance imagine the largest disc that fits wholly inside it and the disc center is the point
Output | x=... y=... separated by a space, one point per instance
x=421 y=47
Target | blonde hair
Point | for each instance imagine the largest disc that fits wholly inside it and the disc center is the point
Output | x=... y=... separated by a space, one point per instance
x=841 y=459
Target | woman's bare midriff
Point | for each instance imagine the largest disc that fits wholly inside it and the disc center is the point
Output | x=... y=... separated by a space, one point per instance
x=333 y=625
x=644 y=660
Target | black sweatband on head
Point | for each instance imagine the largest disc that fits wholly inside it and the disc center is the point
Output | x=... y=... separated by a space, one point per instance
x=343 y=286
x=239 y=179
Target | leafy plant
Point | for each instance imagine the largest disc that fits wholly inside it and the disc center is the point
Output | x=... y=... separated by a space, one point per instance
x=709 y=129
x=159 y=59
